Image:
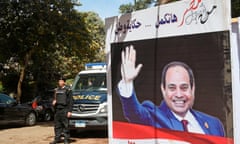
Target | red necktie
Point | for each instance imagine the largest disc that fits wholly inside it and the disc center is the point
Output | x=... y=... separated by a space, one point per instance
x=185 y=123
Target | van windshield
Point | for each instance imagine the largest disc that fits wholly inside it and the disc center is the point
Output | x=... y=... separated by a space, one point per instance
x=90 y=82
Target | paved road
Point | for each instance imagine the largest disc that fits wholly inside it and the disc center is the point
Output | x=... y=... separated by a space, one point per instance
x=43 y=133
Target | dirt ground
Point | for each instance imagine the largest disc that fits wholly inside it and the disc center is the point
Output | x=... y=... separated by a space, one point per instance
x=43 y=133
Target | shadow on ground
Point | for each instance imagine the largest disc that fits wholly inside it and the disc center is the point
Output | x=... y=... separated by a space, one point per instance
x=90 y=134
x=16 y=125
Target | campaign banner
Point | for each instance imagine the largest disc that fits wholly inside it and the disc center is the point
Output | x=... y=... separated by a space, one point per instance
x=235 y=54
x=167 y=64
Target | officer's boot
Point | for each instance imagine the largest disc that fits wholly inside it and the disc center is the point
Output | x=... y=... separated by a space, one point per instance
x=66 y=141
x=55 y=142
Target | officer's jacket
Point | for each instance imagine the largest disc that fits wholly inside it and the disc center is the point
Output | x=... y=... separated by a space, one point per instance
x=63 y=98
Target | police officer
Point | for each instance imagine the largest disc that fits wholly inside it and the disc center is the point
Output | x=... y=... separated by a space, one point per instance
x=63 y=106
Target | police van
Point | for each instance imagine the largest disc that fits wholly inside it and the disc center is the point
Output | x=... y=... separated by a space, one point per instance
x=90 y=98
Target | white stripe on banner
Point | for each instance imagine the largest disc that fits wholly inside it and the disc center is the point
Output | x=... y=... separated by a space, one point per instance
x=179 y=18
x=147 y=141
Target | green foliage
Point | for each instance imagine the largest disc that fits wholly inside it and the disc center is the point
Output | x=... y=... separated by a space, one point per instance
x=95 y=27
x=138 y=5
x=56 y=39
x=142 y=4
x=126 y=8
x=1 y=87
x=235 y=8
x=69 y=82
x=9 y=82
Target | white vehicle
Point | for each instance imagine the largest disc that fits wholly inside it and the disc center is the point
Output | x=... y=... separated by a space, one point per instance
x=90 y=98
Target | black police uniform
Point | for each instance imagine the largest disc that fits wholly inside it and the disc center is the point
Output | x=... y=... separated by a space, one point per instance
x=63 y=106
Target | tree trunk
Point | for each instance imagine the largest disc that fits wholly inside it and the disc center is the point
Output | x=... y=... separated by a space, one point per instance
x=19 y=86
x=22 y=75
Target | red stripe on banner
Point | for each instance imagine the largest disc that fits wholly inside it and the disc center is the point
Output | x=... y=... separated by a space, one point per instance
x=124 y=130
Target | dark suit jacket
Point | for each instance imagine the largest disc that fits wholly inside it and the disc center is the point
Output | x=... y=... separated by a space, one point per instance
x=161 y=116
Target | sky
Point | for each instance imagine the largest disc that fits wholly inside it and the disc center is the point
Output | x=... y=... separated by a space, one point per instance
x=104 y=8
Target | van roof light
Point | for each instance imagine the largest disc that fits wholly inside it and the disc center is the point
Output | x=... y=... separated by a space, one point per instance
x=95 y=66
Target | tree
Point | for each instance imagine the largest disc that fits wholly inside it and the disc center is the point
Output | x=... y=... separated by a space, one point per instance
x=235 y=8
x=138 y=5
x=45 y=36
x=142 y=4
x=95 y=27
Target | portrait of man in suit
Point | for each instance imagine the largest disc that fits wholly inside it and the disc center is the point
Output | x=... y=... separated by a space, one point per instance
x=176 y=109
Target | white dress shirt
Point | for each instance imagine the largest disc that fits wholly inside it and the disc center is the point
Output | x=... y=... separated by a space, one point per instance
x=193 y=125
x=125 y=89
